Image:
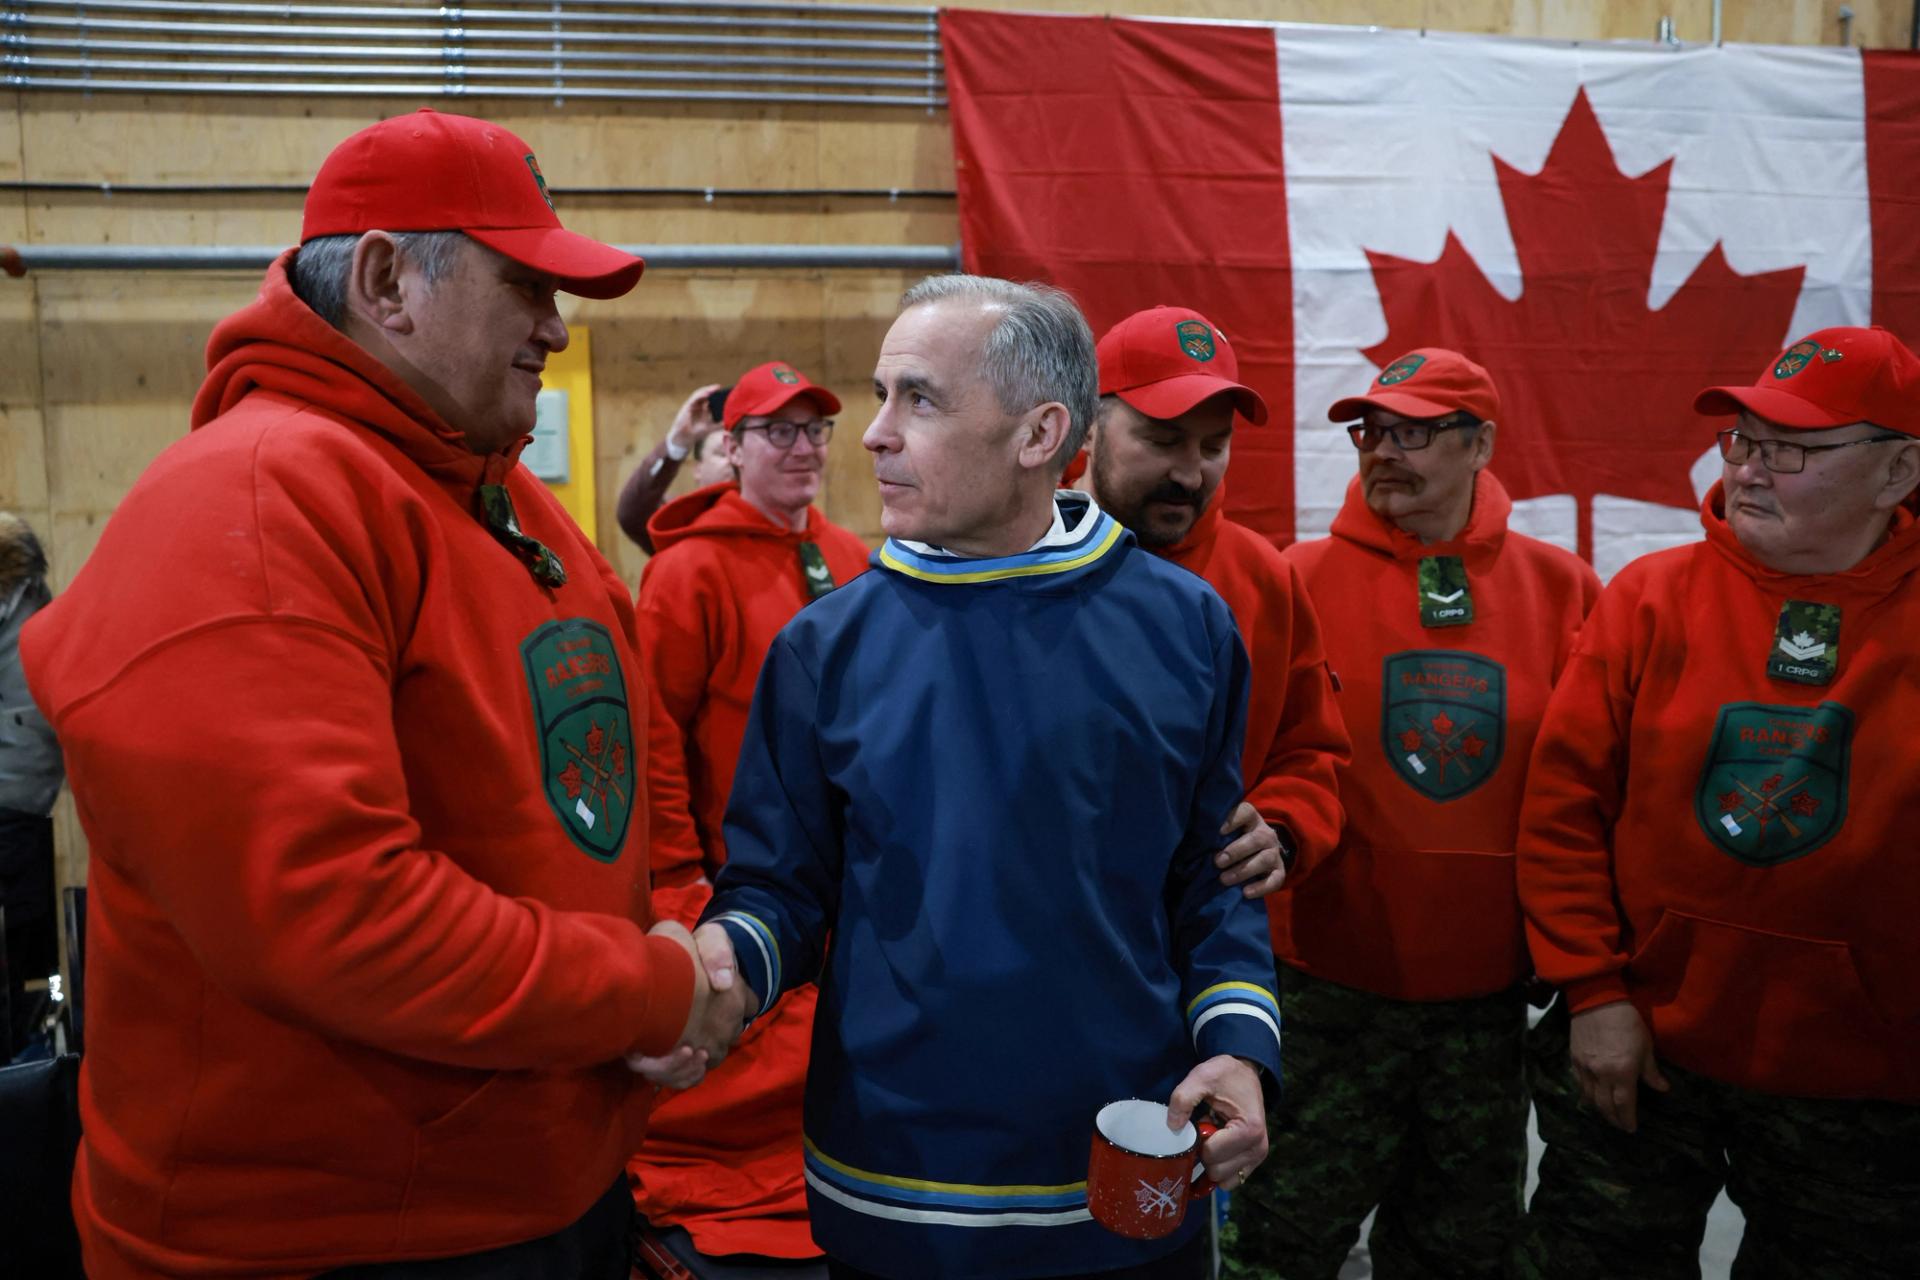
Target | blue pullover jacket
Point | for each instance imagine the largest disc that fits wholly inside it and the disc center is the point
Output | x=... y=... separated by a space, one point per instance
x=996 y=785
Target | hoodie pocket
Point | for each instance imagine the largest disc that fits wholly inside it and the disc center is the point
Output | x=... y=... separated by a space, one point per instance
x=1770 y=1011
x=1427 y=924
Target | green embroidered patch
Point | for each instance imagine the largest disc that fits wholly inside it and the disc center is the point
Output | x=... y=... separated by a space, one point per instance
x=814 y=572
x=1445 y=599
x=586 y=734
x=1400 y=370
x=1806 y=644
x=1775 y=783
x=1195 y=339
x=534 y=167
x=785 y=375
x=1443 y=719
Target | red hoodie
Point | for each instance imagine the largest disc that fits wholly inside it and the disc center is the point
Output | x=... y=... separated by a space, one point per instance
x=1418 y=902
x=1733 y=851
x=723 y=1160
x=1295 y=738
x=363 y=954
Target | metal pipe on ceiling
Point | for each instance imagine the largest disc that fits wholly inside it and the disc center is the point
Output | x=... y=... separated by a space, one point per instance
x=466 y=18
x=692 y=51
x=16 y=260
x=468 y=77
x=468 y=34
x=441 y=52
x=555 y=88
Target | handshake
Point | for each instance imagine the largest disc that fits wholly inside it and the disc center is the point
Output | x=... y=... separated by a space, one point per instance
x=720 y=1006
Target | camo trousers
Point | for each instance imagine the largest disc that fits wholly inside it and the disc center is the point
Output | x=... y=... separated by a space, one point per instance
x=1830 y=1187
x=1418 y=1108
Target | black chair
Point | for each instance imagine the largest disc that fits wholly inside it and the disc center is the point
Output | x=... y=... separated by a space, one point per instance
x=73 y=904
x=39 y=1132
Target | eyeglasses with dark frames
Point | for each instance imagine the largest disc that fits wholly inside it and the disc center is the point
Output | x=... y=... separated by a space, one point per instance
x=1783 y=457
x=781 y=435
x=1408 y=437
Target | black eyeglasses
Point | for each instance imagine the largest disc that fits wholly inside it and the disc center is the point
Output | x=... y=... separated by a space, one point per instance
x=1783 y=457
x=1408 y=437
x=781 y=435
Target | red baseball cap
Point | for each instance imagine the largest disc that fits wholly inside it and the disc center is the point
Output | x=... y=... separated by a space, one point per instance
x=769 y=388
x=1165 y=360
x=429 y=171
x=1427 y=382
x=1830 y=379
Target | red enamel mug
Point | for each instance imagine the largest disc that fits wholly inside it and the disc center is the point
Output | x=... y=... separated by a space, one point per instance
x=1142 y=1175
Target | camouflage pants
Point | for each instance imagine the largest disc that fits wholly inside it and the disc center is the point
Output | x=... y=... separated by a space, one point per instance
x=1830 y=1188
x=1418 y=1108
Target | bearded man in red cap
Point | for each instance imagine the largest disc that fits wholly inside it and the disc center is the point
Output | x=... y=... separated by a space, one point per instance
x=349 y=708
x=733 y=563
x=1716 y=857
x=1161 y=441
x=1402 y=961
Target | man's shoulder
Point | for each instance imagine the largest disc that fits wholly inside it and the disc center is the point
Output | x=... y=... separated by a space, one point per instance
x=1165 y=585
x=1553 y=562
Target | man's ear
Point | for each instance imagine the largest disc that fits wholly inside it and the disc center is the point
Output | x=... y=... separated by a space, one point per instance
x=1903 y=476
x=1483 y=444
x=378 y=289
x=1041 y=434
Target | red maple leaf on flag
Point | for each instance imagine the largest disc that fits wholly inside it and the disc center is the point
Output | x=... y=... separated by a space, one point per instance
x=1442 y=725
x=571 y=779
x=1596 y=390
x=596 y=737
x=1410 y=739
x=1471 y=746
x=1729 y=801
x=619 y=761
x=1772 y=784
x=1804 y=804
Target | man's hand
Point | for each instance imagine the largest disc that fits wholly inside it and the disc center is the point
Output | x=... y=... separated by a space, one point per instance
x=1253 y=857
x=686 y=1065
x=1612 y=1053
x=1231 y=1088
x=694 y=422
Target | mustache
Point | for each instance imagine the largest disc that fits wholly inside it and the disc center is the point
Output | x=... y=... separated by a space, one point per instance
x=1171 y=492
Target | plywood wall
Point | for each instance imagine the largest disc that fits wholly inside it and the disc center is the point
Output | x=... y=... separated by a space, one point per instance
x=97 y=369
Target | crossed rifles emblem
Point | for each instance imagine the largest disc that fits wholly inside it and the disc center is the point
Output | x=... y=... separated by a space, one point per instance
x=1444 y=741
x=1161 y=1201
x=595 y=771
x=1776 y=801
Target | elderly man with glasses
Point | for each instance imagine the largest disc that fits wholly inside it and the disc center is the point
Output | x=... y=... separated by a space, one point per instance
x=1402 y=961
x=733 y=563
x=1729 y=917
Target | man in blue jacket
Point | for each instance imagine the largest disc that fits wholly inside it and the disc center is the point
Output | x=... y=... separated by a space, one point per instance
x=995 y=773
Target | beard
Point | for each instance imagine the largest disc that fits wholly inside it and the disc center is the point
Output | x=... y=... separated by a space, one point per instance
x=1132 y=511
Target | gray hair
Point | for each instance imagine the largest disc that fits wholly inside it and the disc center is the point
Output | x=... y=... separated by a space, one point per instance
x=1040 y=351
x=319 y=271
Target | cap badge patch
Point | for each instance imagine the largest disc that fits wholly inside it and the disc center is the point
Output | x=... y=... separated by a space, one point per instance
x=533 y=166
x=1400 y=370
x=1195 y=339
x=786 y=375
x=1801 y=354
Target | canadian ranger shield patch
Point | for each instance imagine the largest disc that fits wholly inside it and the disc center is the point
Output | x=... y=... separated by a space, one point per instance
x=1443 y=719
x=1775 y=785
x=586 y=736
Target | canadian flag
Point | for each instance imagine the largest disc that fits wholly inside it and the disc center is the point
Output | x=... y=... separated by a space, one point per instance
x=1608 y=228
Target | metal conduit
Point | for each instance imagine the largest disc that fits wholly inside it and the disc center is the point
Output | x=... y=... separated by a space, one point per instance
x=465 y=17
x=16 y=260
x=503 y=73
x=752 y=51
x=458 y=34
x=438 y=53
